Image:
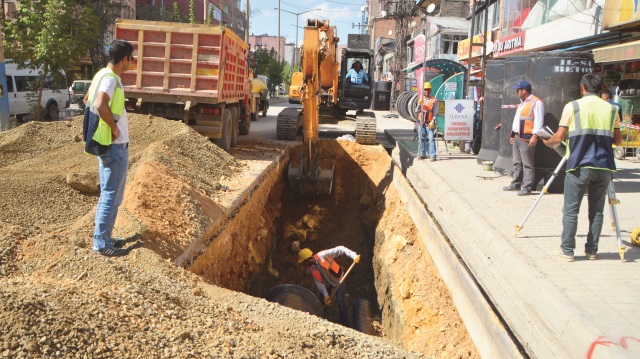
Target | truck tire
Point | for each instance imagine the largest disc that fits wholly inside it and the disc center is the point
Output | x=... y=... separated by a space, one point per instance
x=245 y=126
x=619 y=153
x=224 y=141
x=235 y=120
x=52 y=111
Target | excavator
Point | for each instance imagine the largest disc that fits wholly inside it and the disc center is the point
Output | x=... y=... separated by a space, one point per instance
x=324 y=93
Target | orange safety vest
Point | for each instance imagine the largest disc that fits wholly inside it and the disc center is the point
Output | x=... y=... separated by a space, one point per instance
x=330 y=266
x=427 y=107
x=526 y=118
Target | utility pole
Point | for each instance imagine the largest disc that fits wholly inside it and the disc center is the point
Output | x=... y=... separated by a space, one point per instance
x=206 y=13
x=402 y=11
x=278 y=31
x=246 y=24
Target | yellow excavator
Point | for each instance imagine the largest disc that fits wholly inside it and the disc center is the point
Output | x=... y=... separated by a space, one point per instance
x=321 y=88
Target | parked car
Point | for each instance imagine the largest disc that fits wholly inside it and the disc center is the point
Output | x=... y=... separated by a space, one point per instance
x=281 y=91
x=21 y=83
x=78 y=91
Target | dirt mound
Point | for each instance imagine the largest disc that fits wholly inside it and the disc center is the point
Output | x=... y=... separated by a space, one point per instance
x=57 y=299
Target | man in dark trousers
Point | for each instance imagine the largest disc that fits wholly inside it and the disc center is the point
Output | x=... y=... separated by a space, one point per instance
x=327 y=274
x=591 y=126
x=528 y=120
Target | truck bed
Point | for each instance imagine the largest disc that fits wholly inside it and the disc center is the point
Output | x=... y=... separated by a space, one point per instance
x=176 y=62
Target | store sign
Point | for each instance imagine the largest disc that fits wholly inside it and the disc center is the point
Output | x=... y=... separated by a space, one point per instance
x=464 y=46
x=458 y=120
x=509 y=45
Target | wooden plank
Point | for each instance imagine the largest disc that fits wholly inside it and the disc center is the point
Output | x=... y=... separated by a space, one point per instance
x=194 y=64
x=167 y=61
x=139 y=62
x=168 y=26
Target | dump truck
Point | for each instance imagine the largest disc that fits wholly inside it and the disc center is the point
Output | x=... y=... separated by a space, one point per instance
x=194 y=73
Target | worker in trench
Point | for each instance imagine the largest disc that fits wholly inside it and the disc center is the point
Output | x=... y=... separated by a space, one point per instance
x=329 y=275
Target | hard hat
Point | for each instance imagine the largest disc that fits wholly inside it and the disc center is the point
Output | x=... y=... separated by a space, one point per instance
x=427 y=85
x=304 y=254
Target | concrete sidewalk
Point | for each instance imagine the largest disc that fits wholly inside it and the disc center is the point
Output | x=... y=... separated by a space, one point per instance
x=555 y=309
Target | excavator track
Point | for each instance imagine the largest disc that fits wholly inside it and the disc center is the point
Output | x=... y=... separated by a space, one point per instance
x=287 y=124
x=366 y=128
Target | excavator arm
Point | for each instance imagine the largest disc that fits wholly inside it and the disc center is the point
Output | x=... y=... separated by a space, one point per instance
x=319 y=83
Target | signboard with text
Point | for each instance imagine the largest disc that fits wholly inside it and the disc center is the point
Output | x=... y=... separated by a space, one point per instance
x=458 y=120
x=509 y=45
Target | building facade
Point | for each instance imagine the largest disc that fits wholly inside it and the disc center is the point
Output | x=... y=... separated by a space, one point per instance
x=220 y=12
x=268 y=42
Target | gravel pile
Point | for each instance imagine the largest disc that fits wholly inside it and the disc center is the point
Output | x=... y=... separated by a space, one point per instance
x=57 y=299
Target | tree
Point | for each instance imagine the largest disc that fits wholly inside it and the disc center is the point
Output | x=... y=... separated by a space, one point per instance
x=192 y=12
x=38 y=37
x=106 y=12
x=287 y=72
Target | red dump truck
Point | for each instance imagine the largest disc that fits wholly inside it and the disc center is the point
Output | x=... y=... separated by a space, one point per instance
x=189 y=72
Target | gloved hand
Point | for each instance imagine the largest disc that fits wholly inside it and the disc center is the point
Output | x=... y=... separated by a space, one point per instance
x=365 y=82
x=431 y=125
x=357 y=259
x=327 y=301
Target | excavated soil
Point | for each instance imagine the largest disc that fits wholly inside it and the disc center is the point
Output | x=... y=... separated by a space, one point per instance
x=186 y=206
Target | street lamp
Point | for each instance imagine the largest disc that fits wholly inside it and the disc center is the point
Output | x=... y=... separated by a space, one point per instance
x=296 y=14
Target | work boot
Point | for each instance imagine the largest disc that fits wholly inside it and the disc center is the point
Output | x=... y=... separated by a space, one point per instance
x=524 y=192
x=590 y=256
x=433 y=159
x=511 y=187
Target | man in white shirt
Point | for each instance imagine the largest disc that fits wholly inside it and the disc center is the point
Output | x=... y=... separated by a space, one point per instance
x=527 y=121
x=106 y=99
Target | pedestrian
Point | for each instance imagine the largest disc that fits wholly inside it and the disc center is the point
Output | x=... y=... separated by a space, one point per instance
x=105 y=99
x=327 y=273
x=591 y=126
x=607 y=96
x=429 y=108
x=527 y=121
x=356 y=75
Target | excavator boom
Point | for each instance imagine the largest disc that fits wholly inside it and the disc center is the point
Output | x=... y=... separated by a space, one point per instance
x=318 y=67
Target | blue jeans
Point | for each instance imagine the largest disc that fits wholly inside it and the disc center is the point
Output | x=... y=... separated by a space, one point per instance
x=113 y=167
x=426 y=134
x=576 y=183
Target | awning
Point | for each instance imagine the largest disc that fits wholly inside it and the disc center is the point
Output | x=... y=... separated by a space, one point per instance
x=447 y=67
x=450 y=24
x=620 y=52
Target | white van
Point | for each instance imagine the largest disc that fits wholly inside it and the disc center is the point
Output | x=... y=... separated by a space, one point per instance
x=22 y=82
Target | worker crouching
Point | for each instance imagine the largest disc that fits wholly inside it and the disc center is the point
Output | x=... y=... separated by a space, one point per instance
x=329 y=275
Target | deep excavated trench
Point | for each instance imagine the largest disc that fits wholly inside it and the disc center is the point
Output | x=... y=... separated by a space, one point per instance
x=255 y=248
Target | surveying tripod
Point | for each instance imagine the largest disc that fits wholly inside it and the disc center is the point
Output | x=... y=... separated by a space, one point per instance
x=611 y=195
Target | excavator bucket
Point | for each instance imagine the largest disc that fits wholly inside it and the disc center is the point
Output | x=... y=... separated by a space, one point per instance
x=320 y=182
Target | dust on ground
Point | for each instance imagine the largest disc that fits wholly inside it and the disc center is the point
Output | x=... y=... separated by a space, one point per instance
x=57 y=299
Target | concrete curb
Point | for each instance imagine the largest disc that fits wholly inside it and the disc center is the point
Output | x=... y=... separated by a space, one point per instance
x=544 y=321
x=489 y=336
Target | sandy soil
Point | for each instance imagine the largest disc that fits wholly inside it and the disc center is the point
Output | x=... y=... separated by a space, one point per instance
x=57 y=299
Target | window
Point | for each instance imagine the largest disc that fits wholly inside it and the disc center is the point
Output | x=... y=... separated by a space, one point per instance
x=9 y=83
x=25 y=83
x=450 y=43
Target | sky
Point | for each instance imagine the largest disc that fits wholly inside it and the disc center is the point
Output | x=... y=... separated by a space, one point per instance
x=341 y=13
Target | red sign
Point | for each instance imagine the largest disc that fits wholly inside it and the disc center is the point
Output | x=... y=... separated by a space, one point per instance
x=509 y=45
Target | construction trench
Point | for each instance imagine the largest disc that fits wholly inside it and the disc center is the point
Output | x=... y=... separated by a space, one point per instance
x=399 y=293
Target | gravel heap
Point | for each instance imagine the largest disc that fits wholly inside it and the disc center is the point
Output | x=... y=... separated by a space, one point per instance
x=57 y=299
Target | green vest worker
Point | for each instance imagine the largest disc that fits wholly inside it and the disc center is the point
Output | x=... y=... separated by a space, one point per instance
x=591 y=126
x=105 y=106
